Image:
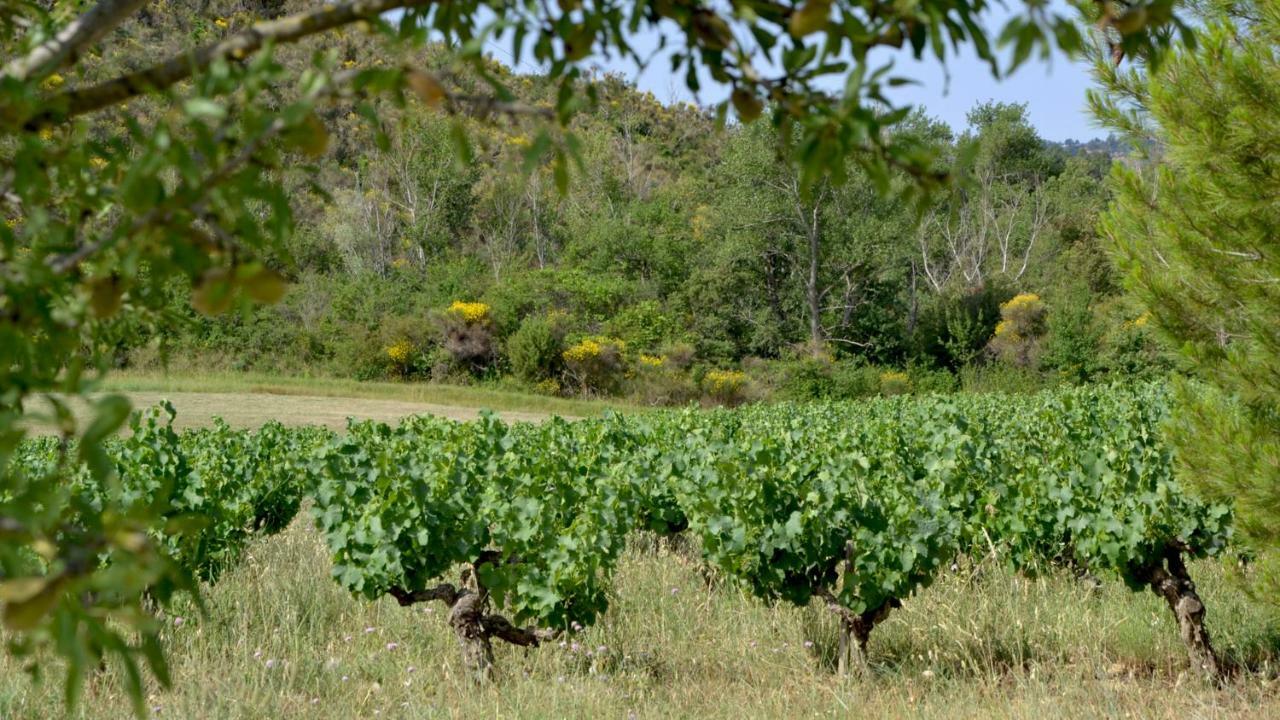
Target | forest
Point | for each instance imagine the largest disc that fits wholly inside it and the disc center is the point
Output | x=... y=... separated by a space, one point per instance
x=679 y=247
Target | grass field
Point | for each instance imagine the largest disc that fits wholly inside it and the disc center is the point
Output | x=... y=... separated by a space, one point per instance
x=282 y=640
x=249 y=400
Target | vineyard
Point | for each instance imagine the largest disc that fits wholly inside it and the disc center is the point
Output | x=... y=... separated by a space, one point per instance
x=517 y=529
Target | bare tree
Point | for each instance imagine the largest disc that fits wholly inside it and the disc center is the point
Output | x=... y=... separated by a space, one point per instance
x=991 y=230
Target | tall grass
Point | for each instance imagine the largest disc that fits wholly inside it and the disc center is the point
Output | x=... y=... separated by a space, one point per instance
x=281 y=640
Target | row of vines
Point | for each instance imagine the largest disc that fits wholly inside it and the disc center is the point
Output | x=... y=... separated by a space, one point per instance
x=517 y=528
x=855 y=506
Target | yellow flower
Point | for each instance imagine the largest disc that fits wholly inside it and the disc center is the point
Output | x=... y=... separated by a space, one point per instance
x=594 y=347
x=894 y=376
x=221 y=22
x=1020 y=300
x=13 y=222
x=652 y=360
x=349 y=64
x=1142 y=320
x=399 y=352
x=582 y=352
x=470 y=312
x=46 y=133
x=724 y=382
x=97 y=163
x=53 y=82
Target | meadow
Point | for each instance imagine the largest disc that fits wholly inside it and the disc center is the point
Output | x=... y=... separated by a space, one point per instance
x=281 y=640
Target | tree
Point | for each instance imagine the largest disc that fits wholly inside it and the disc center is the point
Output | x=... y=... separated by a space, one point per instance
x=993 y=226
x=1197 y=229
x=123 y=173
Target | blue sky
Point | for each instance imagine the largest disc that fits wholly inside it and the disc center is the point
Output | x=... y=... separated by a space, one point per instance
x=1054 y=91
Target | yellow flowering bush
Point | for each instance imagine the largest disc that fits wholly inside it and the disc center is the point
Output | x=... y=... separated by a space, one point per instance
x=652 y=361
x=584 y=351
x=468 y=333
x=725 y=386
x=400 y=353
x=472 y=313
x=1017 y=336
x=1019 y=302
x=894 y=382
x=597 y=363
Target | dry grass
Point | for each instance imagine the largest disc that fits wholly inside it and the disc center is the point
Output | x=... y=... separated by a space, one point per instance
x=428 y=394
x=249 y=400
x=283 y=641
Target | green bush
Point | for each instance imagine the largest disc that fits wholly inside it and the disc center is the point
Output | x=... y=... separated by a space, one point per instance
x=999 y=377
x=658 y=382
x=534 y=351
x=1071 y=342
x=932 y=381
x=851 y=381
x=644 y=326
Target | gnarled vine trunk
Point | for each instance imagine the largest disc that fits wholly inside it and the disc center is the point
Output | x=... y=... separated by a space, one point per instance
x=855 y=631
x=472 y=624
x=1168 y=578
x=466 y=617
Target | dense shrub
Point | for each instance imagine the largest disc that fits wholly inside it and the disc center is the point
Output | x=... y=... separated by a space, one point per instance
x=726 y=387
x=467 y=333
x=406 y=344
x=894 y=382
x=656 y=381
x=1071 y=342
x=929 y=381
x=1016 y=339
x=596 y=365
x=535 y=350
x=999 y=377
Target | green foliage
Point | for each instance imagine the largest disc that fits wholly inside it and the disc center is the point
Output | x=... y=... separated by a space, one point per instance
x=180 y=508
x=861 y=504
x=1196 y=229
x=535 y=350
x=1072 y=342
x=535 y=508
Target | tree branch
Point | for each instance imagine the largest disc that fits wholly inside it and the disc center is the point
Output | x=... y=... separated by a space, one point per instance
x=162 y=75
x=500 y=627
x=444 y=592
x=64 y=48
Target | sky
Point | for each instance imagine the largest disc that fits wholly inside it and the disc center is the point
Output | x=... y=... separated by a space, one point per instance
x=1054 y=91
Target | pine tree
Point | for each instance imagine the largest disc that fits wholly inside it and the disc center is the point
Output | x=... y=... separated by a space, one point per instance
x=1195 y=222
